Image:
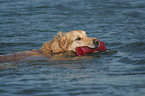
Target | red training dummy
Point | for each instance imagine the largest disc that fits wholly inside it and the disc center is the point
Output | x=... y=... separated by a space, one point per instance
x=84 y=50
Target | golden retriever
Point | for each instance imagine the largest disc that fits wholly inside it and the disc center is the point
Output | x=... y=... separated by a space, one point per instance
x=62 y=44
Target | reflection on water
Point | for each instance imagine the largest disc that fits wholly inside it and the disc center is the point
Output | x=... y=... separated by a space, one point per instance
x=26 y=25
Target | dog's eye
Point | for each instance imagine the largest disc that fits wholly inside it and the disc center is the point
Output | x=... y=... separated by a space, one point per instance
x=78 y=39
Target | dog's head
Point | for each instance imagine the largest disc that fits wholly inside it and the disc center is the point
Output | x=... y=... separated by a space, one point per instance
x=79 y=38
x=69 y=41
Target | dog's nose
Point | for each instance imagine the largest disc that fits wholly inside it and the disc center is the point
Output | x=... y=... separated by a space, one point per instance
x=96 y=41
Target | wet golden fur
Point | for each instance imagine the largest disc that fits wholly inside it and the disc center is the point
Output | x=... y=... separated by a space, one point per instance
x=62 y=44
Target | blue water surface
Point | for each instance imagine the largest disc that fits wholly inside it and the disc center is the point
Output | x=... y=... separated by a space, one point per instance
x=120 y=71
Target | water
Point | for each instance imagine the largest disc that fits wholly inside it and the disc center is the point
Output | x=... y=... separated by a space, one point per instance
x=120 y=71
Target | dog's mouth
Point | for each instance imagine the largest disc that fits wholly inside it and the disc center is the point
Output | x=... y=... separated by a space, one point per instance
x=84 y=50
x=92 y=47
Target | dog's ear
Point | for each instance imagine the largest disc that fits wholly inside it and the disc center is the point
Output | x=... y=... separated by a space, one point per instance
x=62 y=40
x=59 y=43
